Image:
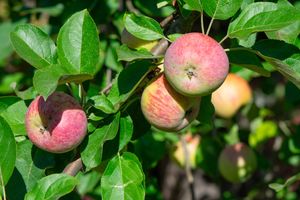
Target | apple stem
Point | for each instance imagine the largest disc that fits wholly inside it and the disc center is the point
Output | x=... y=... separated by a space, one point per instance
x=188 y=170
x=202 y=23
x=223 y=39
x=2 y=183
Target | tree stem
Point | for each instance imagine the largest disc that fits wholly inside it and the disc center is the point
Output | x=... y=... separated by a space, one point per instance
x=202 y=23
x=188 y=170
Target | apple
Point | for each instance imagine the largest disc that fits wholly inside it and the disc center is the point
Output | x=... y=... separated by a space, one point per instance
x=231 y=95
x=166 y=109
x=136 y=43
x=58 y=124
x=195 y=64
x=192 y=143
x=237 y=163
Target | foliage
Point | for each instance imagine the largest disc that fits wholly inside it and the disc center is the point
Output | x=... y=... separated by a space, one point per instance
x=75 y=47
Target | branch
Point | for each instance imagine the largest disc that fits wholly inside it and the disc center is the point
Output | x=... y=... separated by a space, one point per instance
x=188 y=169
x=180 y=25
x=74 y=167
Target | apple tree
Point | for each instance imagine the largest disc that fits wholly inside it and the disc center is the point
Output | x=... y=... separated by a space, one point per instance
x=139 y=99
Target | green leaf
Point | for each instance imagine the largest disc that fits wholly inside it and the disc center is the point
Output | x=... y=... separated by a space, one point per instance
x=29 y=93
x=194 y=5
x=278 y=187
x=261 y=131
x=123 y=179
x=277 y=53
x=143 y=27
x=126 y=130
x=34 y=46
x=221 y=9
x=46 y=80
x=294 y=63
x=174 y=36
x=207 y=111
x=54 y=11
x=87 y=182
x=6 y=47
x=232 y=137
x=78 y=44
x=26 y=166
x=8 y=152
x=102 y=103
x=111 y=57
x=128 y=80
x=51 y=187
x=126 y=54
x=7 y=101
x=288 y=34
x=262 y=16
x=92 y=153
x=242 y=57
x=15 y=117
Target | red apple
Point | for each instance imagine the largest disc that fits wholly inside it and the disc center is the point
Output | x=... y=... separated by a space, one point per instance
x=195 y=64
x=237 y=162
x=58 y=124
x=166 y=109
x=231 y=95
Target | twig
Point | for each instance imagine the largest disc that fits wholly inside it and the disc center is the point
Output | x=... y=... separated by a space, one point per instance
x=166 y=21
x=202 y=23
x=131 y=7
x=188 y=170
x=223 y=39
x=74 y=167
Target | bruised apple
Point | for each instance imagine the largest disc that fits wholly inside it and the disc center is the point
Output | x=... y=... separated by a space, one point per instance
x=136 y=43
x=192 y=143
x=237 y=162
x=195 y=64
x=231 y=95
x=166 y=109
x=56 y=125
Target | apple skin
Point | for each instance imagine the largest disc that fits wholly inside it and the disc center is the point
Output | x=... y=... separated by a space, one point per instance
x=195 y=64
x=237 y=163
x=56 y=125
x=136 y=43
x=166 y=109
x=231 y=96
x=192 y=143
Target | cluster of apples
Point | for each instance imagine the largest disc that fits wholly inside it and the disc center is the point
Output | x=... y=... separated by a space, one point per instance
x=194 y=65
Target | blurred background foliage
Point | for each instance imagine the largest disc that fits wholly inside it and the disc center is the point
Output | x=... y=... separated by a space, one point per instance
x=270 y=124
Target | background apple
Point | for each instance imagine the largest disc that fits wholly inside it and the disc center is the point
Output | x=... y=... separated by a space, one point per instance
x=136 y=43
x=192 y=143
x=195 y=64
x=231 y=95
x=56 y=125
x=166 y=109
x=237 y=162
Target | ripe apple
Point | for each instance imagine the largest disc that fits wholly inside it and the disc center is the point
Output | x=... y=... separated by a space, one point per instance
x=195 y=64
x=192 y=143
x=136 y=43
x=231 y=95
x=166 y=109
x=237 y=162
x=56 y=125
